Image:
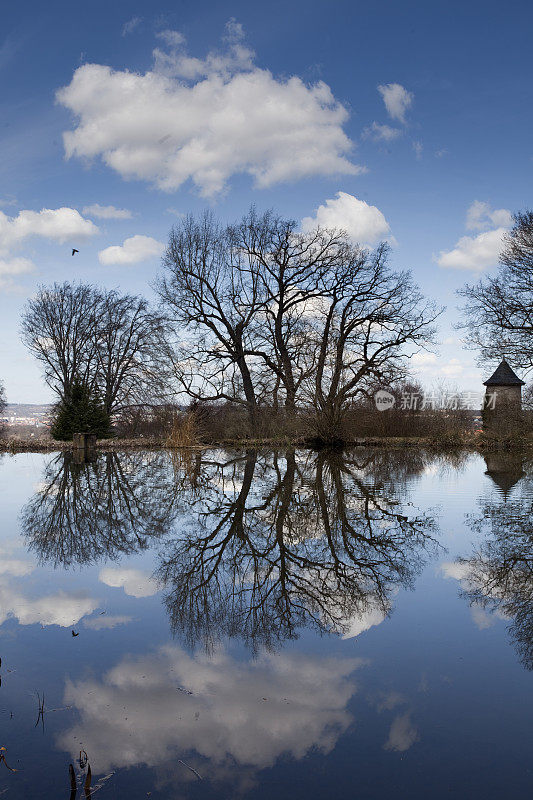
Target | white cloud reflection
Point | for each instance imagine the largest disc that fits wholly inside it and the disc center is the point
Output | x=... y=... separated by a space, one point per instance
x=135 y=582
x=61 y=608
x=148 y=710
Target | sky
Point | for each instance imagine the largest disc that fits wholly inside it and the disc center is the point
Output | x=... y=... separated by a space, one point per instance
x=409 y=122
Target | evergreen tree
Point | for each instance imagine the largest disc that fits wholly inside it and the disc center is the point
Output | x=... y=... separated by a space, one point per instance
x=81 y=412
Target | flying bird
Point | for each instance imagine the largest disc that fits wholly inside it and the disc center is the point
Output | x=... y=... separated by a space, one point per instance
x=74 y=250
x=75 y=634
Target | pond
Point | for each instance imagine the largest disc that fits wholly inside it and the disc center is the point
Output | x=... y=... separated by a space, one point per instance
x=227 y=624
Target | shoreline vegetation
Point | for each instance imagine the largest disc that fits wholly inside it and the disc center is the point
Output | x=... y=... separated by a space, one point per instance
x=475 y=441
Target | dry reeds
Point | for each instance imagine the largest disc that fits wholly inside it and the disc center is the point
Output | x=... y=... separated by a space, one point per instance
x=184 y=432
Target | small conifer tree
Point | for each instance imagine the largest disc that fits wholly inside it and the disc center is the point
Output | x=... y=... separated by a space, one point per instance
x=81 y=412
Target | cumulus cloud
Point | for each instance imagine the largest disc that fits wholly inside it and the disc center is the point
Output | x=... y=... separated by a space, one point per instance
x=474 y=253
x=132 y=251
x=480 y=216
x=205 y=120
x=381 y=133
x=397 y=100
x=402 y=735
x=250 y=713
x=10 y=267
x=362 y=222
x=14 y=566
x=479 y=252
x=135 y=582
x=57 y=224
x=106 y=212
x=363 y=622
x=61 y=608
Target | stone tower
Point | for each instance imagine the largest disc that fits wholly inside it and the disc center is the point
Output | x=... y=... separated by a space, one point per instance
x=503 y=398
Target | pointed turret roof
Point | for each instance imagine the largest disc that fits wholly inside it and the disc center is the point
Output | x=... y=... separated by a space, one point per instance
x=504 y=376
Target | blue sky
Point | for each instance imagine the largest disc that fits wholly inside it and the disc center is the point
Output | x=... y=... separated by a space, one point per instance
x=277 y=104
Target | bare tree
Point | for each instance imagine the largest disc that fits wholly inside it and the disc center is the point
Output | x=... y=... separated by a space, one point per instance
x=370 y=323
x=128 y=335
x=58 y=327
x=274 y=314
x=499 y=309
x=212 y=289
x=295 y=270
x=101 y=339
x=266 y=558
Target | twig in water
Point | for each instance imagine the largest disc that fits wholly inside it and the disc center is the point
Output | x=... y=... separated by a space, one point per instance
x=191 y=769
x=3 y=759
x=40 y=716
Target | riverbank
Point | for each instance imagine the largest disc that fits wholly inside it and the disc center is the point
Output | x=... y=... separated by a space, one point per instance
x=475 y=441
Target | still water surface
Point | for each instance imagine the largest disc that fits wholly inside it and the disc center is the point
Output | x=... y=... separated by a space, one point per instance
x=258 y=624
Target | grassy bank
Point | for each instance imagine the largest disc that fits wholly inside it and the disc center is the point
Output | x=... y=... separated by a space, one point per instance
x=466 y=440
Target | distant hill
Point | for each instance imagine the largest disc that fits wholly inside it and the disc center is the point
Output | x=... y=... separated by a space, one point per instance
x=26 y=413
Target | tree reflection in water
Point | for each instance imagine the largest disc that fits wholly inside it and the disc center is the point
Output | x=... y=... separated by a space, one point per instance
x=498 y=577
x=275 y=542
x=86 y=512
x=252 y=545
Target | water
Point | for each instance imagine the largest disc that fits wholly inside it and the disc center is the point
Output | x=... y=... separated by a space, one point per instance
x=258 y=624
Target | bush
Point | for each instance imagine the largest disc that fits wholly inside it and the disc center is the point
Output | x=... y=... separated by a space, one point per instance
x=82 y=412
x=146 y=422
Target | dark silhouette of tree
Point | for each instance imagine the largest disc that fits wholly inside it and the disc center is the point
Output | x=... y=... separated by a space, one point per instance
x=499 y=575
x=105 y=341
x=209 y=289
x=295 y=271
x=81 y=411
x=119 y=504
x=279 y=542
x=274 y=316
x=499 y=309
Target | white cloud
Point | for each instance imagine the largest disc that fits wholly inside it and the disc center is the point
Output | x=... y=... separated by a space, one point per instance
x=423 y=359
x=62 y=608
x=479 y=252
x=418 y=147
x=397 y=100
x=363 y=622
x=452 y=368
x=132 y=251
x=106 y=212
x=402 y=735
x=474 y=253
x=14 y=566
x=135 y=582
x=57 y=224
x=131 y=25
x=228 y=711
x=206 y=120
x=383 y=133
x=480 y=216
x=15 y=266
x=363 y=223
x=106 y=622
